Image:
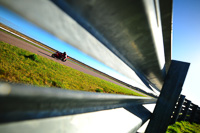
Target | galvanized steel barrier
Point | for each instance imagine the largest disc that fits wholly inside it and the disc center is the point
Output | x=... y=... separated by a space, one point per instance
x=29 y=102
x=134 y=42
x=185 y=111
x=24 y=102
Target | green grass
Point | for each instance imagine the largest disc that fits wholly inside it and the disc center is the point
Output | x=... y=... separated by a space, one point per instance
x=184 y=127
x=21 y=66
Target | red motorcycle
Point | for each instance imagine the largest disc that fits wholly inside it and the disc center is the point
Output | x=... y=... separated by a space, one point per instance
x=61 y=56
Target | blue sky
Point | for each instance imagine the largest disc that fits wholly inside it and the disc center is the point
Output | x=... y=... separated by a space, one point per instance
x=185 y=43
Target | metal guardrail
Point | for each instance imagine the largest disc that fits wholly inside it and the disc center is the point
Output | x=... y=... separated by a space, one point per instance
x=132 y=32
x=144 y=56
x=23 y=102
x=185 y=110
x=131 y=47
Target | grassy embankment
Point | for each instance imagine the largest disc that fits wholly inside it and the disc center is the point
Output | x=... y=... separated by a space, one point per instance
x=184 y=127
x=21 y=66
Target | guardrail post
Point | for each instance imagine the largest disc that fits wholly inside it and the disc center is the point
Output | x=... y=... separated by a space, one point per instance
x=178 y=109
x=186 y=110
x=194 y=110
x=170 y=92
x=197 y=116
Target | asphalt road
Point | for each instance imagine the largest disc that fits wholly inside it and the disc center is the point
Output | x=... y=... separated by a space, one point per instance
x=27 y=46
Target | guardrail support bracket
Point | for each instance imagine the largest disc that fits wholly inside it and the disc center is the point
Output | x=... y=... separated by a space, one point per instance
x=169 y=95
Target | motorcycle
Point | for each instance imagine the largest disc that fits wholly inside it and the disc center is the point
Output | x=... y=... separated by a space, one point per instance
x=61 y=56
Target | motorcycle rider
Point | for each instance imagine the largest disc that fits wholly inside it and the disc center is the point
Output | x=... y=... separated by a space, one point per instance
x=64 y=54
